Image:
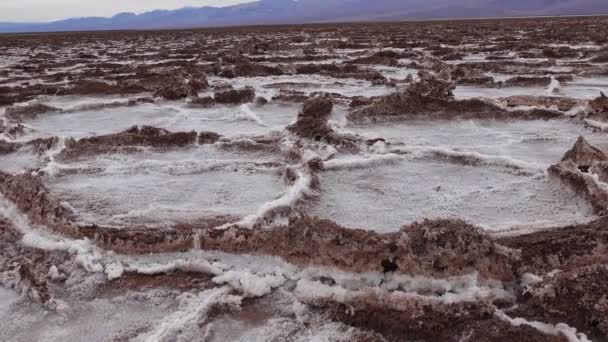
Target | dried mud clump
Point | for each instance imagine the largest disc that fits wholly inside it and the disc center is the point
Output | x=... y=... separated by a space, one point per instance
x=428 y=321
x=312 y=119
x=464 y=75
x=32 y=198
x=202 y=102
x=208 y=137
x=432 y=97
x=432 y=86
x=126 y=140
x=250 y=69
x=568 y=248
x=578 y=297
x=137 y=240
x=386 y=57
x=573 y=171
x=563 y=104
x=95 y=87
x=235 y=96
x=527 y=81
x=598 y=108
x=584 y=154
x=181 y=86
x=288 y=95
x=25 y=268
x=429 y=96
x=451 y=244
x=7 y=147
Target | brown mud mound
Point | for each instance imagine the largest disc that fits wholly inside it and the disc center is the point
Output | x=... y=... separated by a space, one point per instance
x=312 y=119
x=26 y=269
x=563 y=104
x=7 y=147
x=567 y=248
x=527 y=81
x=95 y=87
x=386 y=57
x=579 y=296
x=583 y=154
x=288 y=95
x=342 y=71
x=28 y=112
x=202 y=102
x=235 y=96
x=32 y=198
x=177 y=89
x=464 y=75
x=125 y=141
x=432 y=98
x=208 y=137
x=250 y=69
x=420 y=249
x=573 y=172
x=428 y=321
x=598 y=108
x=431 y=86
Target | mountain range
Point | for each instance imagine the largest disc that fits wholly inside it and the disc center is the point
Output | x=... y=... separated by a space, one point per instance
x=311 y=11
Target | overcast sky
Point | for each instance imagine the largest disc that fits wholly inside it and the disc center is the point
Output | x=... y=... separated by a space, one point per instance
x=47 y=10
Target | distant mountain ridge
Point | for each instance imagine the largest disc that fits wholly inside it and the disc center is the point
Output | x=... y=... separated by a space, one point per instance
x=307 y=11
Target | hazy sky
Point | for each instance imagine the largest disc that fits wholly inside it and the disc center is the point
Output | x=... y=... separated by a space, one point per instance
x=46 y=10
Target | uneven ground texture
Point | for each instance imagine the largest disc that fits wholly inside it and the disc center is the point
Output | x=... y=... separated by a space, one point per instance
x=436 y=181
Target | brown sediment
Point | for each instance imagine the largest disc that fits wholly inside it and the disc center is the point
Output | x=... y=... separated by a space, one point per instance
x=208 y=137
x=38 y=146
x=385 y=57
x=360 y=101
x=125 y=141
x=573 y=172
x=563 y=104
x=28 y=112
x=180 y=86
x=430 y=96
x=287 y=95
x=577 y=296
x=341 y=71
x=235 y=96
x=427 y=321
x=567 y=248
x=203 y=102
x=420 y=249
x=7 y=147
x=487 y=81
x=584 y=154
x=250 y=69
x=569 y=174
x=598 y=108
x=312 y=119
x=33 y=199
x=24 y=268
x=414 y=105
x=182 y=281
x=527 y=81
x=95 y=87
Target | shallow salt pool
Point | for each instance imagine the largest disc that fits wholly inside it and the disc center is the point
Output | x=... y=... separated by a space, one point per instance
x=384 y=198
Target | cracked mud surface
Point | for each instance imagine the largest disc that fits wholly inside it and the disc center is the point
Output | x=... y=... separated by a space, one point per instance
x=439 y=181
